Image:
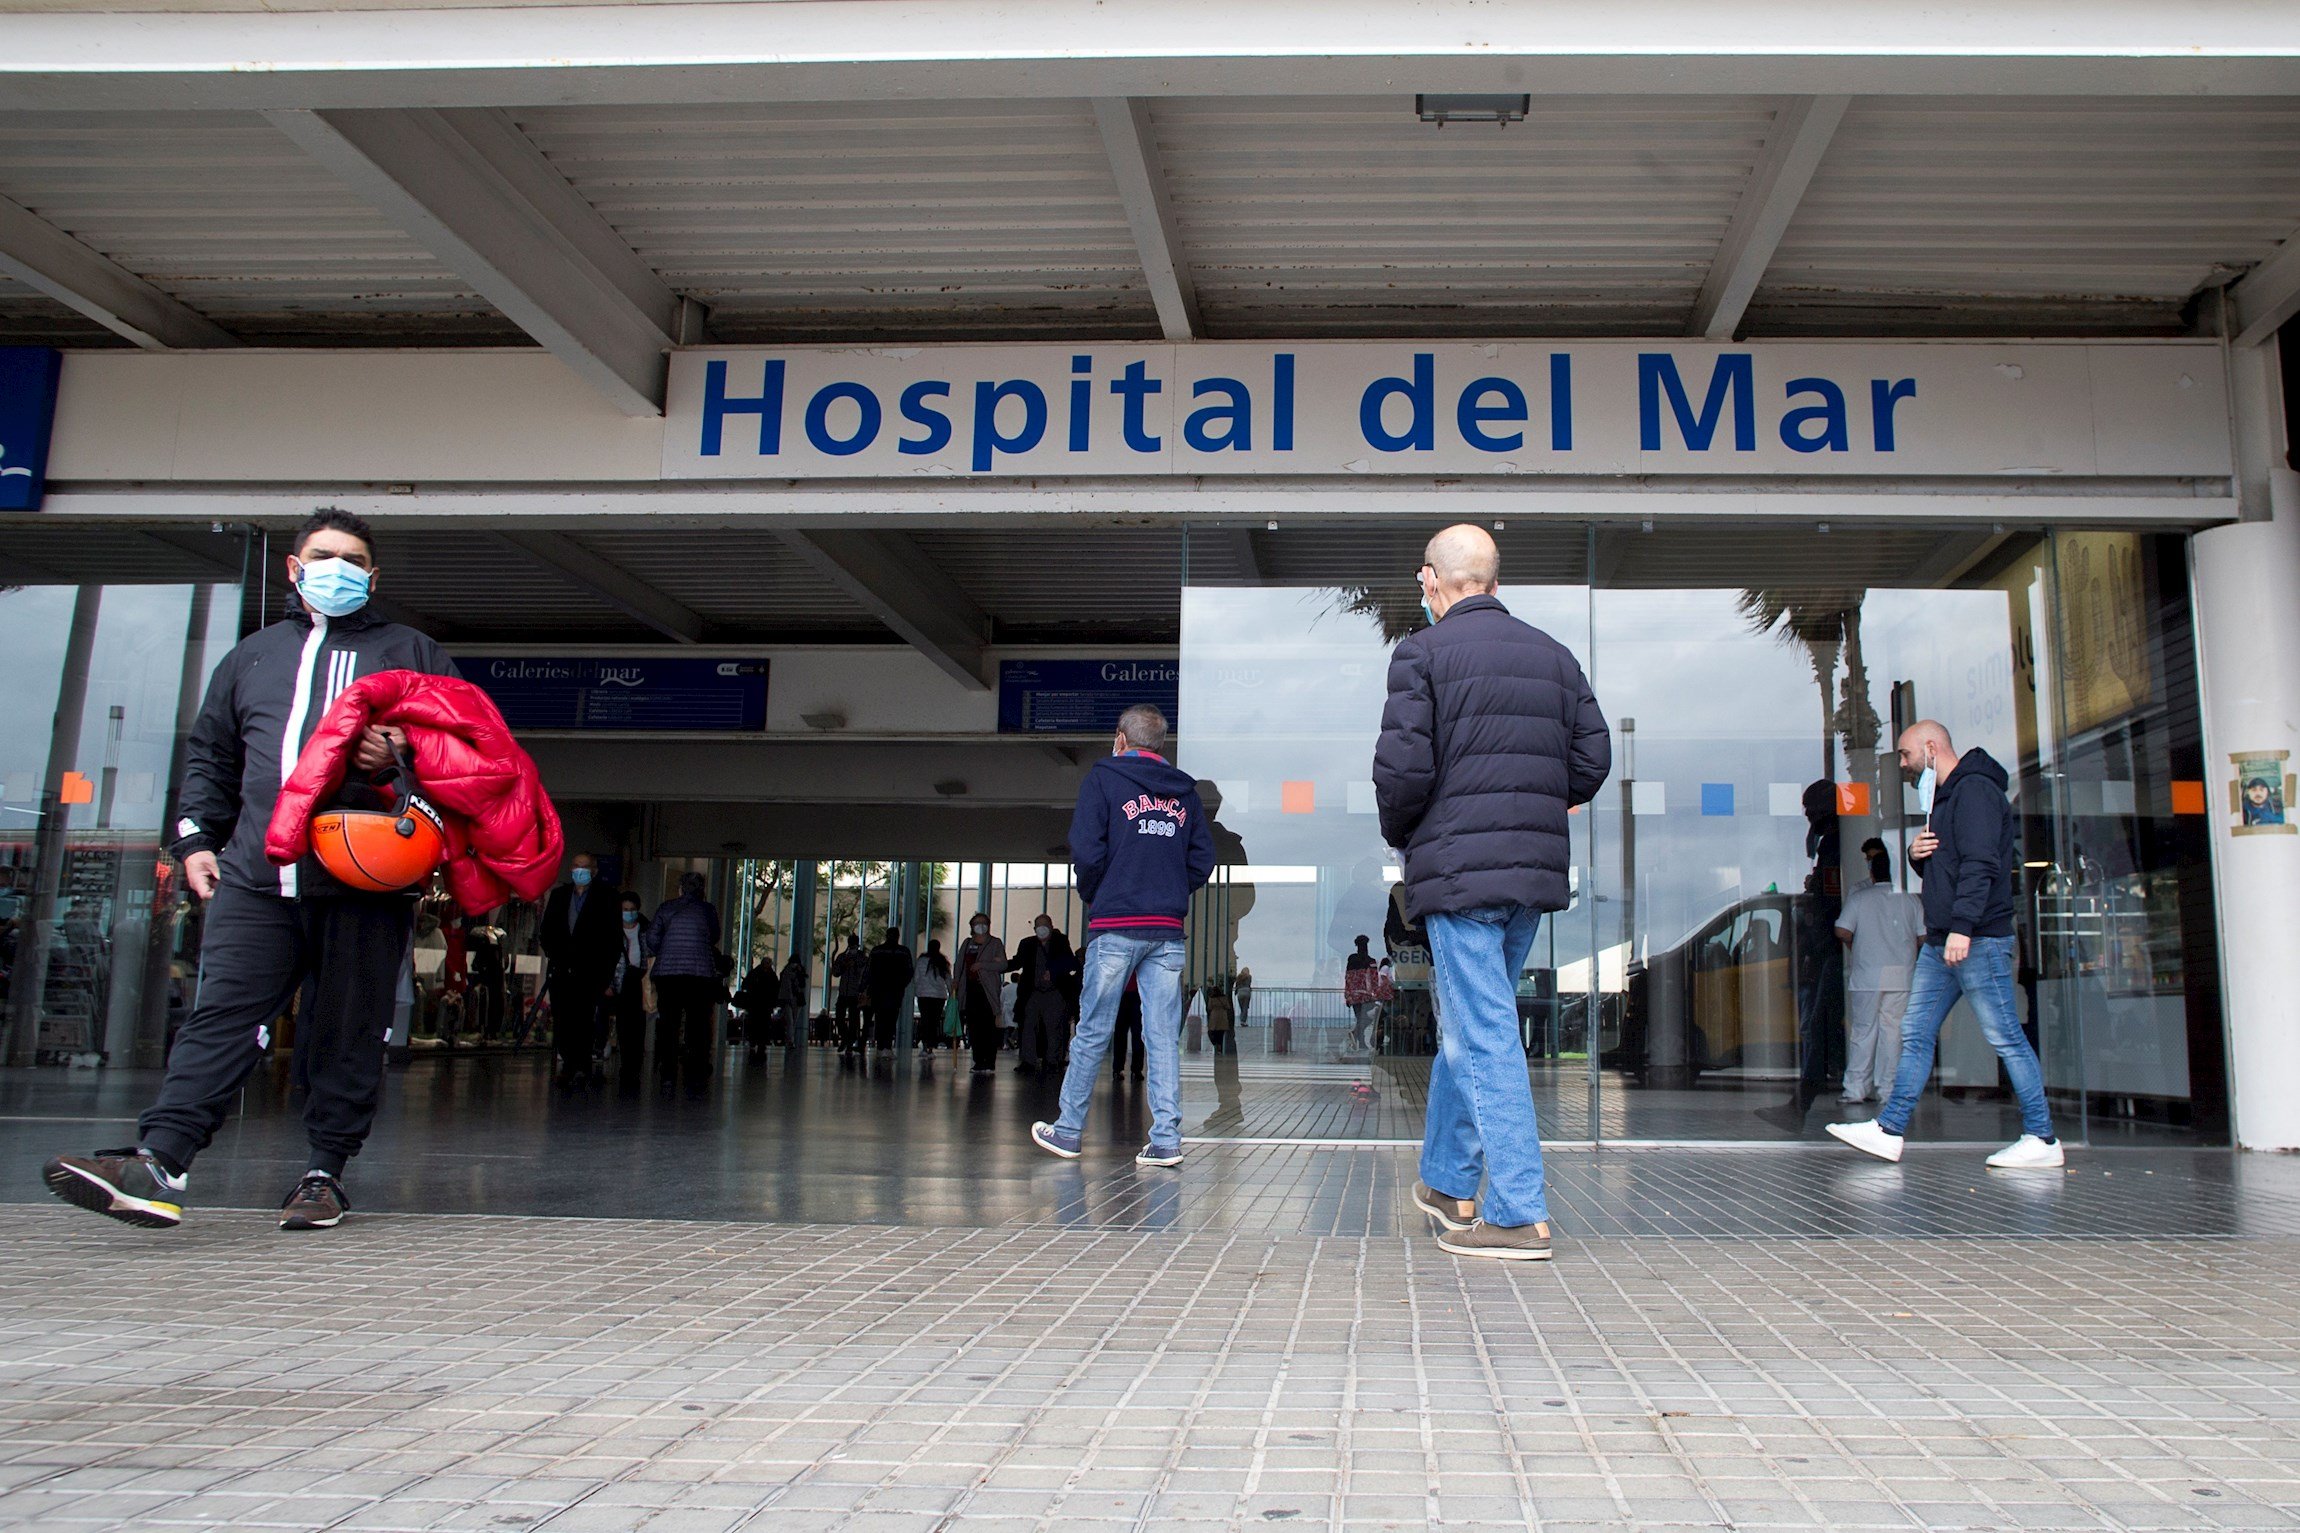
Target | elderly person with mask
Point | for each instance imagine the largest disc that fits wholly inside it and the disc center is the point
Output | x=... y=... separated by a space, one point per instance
x=982 y=979
x=683 y=944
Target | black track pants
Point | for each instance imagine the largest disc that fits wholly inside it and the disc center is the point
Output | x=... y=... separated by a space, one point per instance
x=257 y=950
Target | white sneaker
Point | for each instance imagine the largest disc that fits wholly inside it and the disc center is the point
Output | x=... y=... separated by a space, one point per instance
x=1869 y=1138
x=2029 y=1153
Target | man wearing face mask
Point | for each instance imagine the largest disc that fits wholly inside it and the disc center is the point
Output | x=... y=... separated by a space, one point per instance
x=1044 y=966
x=1967 y=855
x=580 y=944
x=269 y=928
x=982 y=977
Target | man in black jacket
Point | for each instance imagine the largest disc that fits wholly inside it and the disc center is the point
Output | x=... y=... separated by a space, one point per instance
x=269 y=928
x=582 y=937
x=1490 y=737
x=1043 y=966
x=1968 y=854
x=889 y=980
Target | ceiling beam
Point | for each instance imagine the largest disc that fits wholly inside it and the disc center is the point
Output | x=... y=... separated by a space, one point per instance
x=37 y=253
x=610 y=582
x=2265 y=297
x=1132 y=144
x=1801 y=132
x=907 y=591
x=473 y=190
x=216 y=58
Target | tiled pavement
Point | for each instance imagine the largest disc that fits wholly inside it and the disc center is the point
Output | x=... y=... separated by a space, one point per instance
x=919 y=1323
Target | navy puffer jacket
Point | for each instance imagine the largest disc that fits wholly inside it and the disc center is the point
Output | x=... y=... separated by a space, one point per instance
x=1490 y=736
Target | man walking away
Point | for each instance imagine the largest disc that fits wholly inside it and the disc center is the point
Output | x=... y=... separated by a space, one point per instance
x=270 y=928
x=851 y=970
x=1882 y=928
x=1142 y=845
x=1044 y=962
x=684 y=942
x=580 y=943
x=890 y=972
x=1489 y=738
x=1967 y=858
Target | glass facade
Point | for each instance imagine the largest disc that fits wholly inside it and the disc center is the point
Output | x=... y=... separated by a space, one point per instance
x=98 y=938
x=1755 y=679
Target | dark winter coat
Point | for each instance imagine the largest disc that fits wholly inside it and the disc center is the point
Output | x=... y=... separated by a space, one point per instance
x=683 y=939
x=1969 y=877
x=1490 y=736
x=589 y=946
x=265 y=700
x=1141 y=843
x=890 y=973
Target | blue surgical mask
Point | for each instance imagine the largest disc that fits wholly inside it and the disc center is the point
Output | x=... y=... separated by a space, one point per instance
x=630 y=918
x=1427 y=615
x=582 y=877
x=1926 y=781
x=333 y=587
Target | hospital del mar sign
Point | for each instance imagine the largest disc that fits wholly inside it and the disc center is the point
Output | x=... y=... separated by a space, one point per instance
x=1507 y=408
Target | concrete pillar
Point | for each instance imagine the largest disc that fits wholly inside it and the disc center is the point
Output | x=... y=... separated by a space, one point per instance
x=2248 y=641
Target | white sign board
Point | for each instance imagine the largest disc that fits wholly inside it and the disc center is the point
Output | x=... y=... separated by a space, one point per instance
x=1506 y=408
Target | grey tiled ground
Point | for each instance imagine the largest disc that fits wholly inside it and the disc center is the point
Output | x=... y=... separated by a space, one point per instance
x=491 y=1373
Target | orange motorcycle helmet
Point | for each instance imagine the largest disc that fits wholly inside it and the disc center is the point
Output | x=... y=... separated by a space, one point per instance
x=381 y=851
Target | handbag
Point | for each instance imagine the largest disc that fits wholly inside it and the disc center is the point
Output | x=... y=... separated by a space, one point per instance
x=953 y=1015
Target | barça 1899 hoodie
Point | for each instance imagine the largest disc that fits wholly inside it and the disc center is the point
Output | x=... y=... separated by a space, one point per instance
x=1141 y=844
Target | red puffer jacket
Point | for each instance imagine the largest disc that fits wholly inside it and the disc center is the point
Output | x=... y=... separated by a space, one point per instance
x=503 y=834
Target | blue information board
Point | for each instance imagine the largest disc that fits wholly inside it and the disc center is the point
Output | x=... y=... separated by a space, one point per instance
x=28 y=377
x=670 y=692
x=1080 y=697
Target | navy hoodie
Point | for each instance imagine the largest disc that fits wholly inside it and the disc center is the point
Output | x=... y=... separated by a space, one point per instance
x=1969 y=878
x=1141 y=843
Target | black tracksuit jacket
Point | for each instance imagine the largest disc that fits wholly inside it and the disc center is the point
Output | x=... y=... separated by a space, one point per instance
x=264 y=701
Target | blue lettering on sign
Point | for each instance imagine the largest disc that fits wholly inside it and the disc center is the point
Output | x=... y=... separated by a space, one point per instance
x=1732 y=385
x=28 y=376
x=767 y=405
x=1420 y=396
x=1697 y=401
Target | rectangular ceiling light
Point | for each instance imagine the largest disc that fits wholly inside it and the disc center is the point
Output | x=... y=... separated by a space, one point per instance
x=1442 y=109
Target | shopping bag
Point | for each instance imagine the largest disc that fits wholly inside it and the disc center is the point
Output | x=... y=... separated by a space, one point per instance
x=953 y=1016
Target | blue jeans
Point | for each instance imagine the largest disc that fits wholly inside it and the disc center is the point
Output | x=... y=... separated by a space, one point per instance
x=1480 y=1125
x=1986 y=979
x=1155 y=966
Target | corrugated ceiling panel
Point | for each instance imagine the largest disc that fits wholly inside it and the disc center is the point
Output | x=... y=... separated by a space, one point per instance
x=223 y=212
x=736 y=579
x=2107 y=213
x=1043 y=581
x=858 y=222
x=1350 y=216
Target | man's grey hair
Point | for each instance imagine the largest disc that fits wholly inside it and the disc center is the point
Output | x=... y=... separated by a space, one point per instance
x=1144 y=727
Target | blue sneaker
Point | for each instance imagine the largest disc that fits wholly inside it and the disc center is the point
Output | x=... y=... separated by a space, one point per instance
x=1053 y=1141
x=1159 y=1155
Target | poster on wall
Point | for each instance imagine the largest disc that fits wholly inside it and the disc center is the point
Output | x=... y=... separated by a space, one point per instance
x=2260 y=794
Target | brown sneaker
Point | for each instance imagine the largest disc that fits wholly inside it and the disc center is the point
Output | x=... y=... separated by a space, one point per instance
x=126 y=1184
x=1453 y=1213
x=1509 y=1243
x=318 y=1203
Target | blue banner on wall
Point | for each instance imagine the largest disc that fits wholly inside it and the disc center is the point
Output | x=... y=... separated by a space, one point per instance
x=667 y=693
x=28 y=377
x=1076 y=697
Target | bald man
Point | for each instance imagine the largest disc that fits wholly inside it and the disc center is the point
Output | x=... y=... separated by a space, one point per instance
x=1968 y=854
x=1490 y=738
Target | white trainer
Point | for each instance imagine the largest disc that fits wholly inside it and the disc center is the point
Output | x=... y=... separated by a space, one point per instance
x=2029 y=1153
x=1869 y=1138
